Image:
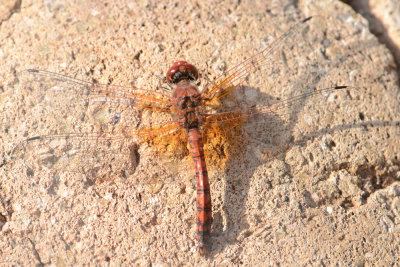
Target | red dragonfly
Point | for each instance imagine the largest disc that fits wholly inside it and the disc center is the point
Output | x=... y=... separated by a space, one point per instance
x=195 y=114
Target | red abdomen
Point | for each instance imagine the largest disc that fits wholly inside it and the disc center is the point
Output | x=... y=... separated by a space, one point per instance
x=204 y=217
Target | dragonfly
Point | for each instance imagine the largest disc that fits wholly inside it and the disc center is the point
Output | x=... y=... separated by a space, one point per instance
x=186 y=116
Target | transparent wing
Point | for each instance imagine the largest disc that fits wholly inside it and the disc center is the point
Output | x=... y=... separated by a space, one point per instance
x=99 y=156
x=295 y=59
x=282 y=108
x=90 y=128
x=94 y=92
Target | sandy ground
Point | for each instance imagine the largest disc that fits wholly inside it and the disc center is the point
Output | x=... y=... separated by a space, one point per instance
x=331 y=197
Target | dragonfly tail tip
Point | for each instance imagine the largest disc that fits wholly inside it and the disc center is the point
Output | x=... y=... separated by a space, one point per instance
x=33 y=138
x=32 y=70
x=307 y=19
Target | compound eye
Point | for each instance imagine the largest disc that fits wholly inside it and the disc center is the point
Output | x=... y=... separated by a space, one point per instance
x=181 y=70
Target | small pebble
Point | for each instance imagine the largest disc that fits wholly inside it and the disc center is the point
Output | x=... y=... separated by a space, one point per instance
x=329 y=209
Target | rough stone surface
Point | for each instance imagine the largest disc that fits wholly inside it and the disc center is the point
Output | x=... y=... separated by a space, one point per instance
x=384 y=19
x=332 y=197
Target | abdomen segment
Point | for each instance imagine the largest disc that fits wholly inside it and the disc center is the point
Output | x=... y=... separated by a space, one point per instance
x=204 y=216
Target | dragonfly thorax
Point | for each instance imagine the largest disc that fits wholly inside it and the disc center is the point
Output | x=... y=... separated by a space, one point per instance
x=187 y=98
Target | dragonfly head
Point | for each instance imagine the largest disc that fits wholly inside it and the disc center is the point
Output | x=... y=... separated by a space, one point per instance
x=181 y=70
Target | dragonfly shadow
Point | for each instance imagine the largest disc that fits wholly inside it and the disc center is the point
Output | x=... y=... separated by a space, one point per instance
x=264 y=137
x=233 y=226
x=343 y=127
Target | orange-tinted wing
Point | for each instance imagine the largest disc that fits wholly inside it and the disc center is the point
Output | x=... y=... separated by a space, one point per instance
x=100 y=156
x=267 y=57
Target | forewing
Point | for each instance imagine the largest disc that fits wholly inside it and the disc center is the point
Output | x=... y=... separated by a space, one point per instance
x=278 y=60
x=86 y=91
